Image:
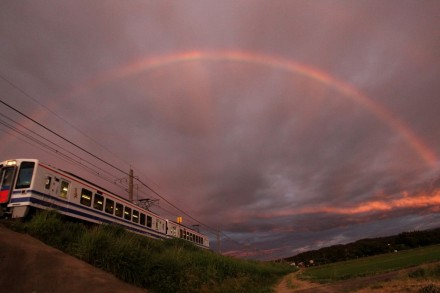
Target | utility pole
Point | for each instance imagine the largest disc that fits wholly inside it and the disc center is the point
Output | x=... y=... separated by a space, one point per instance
x=219 y=242
x=130 y=185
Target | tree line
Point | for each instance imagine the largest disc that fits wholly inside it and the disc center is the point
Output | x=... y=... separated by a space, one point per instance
x=367 y=247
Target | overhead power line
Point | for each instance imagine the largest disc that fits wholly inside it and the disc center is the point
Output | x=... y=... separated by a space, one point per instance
x=43 y=138
x=65 y=139
x=111 y=165
x=56 y=115
x=105 y=162
x=39 y=141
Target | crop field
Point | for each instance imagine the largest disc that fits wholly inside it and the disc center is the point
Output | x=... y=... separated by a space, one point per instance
x=372 y=265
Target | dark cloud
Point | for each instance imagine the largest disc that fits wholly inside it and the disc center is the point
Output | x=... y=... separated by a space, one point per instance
x=280 y=160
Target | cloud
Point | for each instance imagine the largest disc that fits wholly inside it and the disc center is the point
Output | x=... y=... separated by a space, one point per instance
x=281 y=160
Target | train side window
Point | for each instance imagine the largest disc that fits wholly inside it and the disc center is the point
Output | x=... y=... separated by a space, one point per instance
x=48 y=182
x=98 y=202
x=149 y=221
x=86 y=197
x=119 y=210
x=127 y=213
x=25 y=175
x=64 y=188
x=135 y=216
x=109 y=206
x=142 y=220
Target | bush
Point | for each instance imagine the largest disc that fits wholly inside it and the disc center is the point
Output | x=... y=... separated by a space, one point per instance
x=430 y=289
x=50 y=227
x=425 y=272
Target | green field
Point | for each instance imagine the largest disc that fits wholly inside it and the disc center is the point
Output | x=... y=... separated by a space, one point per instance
x=372 y=265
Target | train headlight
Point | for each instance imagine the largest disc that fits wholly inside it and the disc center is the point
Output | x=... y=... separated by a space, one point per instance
x=11 y=163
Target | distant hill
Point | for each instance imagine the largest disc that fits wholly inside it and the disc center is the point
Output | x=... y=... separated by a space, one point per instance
x=367 y=247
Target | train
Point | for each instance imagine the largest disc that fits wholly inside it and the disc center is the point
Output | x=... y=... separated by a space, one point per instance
x=28 y=185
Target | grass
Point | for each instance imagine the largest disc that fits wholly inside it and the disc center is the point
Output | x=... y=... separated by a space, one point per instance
x=172 y=265
x=422 y=279
x=426 y=272
x=372 y=265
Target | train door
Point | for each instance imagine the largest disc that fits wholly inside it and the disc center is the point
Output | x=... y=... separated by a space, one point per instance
x=56 y=191
x=160 y=226
x=52 y=187
x=56 y=187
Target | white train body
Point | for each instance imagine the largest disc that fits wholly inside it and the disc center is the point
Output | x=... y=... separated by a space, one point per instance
x=28 y=183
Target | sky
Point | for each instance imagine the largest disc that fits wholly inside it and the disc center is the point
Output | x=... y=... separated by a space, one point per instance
x=277 y=126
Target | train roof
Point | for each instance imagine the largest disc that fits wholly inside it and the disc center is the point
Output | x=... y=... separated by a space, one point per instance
x=91 y=183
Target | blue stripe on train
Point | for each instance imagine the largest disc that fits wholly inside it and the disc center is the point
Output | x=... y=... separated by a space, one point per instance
x=34 y=200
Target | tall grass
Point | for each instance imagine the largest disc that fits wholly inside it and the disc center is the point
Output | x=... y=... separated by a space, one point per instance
x=372 y=265
x=172 y=265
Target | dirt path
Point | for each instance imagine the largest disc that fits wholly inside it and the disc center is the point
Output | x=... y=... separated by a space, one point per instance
x=291 y=283
x=352 y=284
x=28 y=265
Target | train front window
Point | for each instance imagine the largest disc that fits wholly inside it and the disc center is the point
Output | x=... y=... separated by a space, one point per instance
x=6 y=177
x=7 y=174
x=24 y=178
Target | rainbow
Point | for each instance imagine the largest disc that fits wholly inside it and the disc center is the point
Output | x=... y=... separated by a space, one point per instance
x=347 y=90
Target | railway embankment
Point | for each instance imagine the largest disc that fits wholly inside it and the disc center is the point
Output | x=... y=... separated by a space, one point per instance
x=174 y=265
x=29 y=265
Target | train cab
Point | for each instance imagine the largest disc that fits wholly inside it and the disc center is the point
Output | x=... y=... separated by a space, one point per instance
x=16 y=178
